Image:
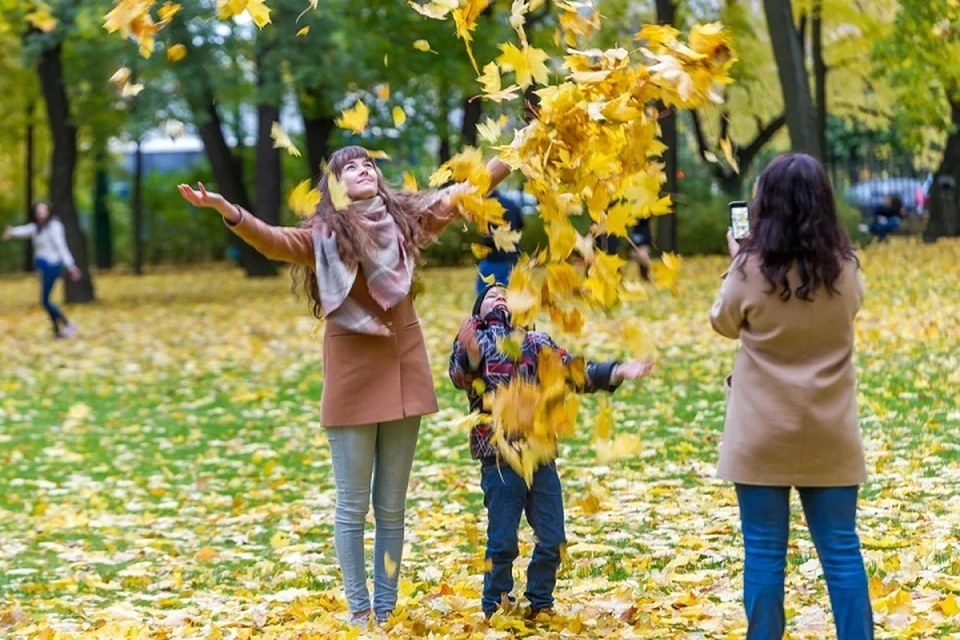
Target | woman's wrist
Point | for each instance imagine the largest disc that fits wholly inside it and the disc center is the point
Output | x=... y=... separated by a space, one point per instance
x=230 y=212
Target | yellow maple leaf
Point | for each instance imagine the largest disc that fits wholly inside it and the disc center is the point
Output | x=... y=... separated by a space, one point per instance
x=480 y=251
x=410 y=182
x=506 y=239
x=121 y=76
x=522 y=298
x=436 y=9
x=383 y=92
x=42 y=19
x=399 y=116
x=176 y=53
x=282 y=141
x=441 y=176
x=304 y=199
x=168 y=10
x=338 y=193
x=390 y=565
x=378 y=154
x=491 y=82
x=527 y=64
x=727 y=148
x=666 y=273
x=302 y=32
x=355 y=118
x=489 y=130
x=259 y=12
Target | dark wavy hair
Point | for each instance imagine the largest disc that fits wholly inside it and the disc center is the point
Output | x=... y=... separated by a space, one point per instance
x=794 y=225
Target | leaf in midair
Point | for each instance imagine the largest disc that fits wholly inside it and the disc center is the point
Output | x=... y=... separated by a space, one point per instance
x=176 y=53
x=506 y=239
x=304 y=31
x=282 y=141
x=355 y=118
x=726 y=146
x=304 y=199
x=399 y=116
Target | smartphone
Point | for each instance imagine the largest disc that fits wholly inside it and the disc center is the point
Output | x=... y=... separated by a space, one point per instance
x=739 y=219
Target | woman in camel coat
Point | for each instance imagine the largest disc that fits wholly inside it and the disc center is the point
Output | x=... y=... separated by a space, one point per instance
x=356 y=265
x=790 y=297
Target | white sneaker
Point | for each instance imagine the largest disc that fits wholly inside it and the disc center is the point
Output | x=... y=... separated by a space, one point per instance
x=68 y=331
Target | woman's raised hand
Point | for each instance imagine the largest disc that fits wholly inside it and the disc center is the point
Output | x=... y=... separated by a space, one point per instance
x=211 y=200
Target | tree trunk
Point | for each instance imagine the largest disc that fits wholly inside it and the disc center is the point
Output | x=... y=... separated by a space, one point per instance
x=787 y=51
x=317 y=130
x=63 y=167
x=29 y=152
x=945 y=193
x=820 y=78
x=137 y=210
x=266 y=188
x=667 y=225
x=472 y=112
x=102 y=232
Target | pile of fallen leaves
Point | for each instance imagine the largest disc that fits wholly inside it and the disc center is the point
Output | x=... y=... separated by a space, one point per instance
x=164 y=475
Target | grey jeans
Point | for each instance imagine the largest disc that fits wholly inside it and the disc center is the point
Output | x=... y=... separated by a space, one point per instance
x=385 y=452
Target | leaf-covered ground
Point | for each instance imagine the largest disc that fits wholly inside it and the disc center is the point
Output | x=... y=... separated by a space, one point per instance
x=164 y=474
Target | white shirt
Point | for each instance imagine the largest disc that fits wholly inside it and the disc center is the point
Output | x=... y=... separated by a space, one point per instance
x=49 y=243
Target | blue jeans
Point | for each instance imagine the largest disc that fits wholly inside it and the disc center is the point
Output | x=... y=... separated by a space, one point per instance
x=506 y=497
x=831 y=517
x=883 y=228
x=499 y=269
x=49 y=273
x=385 y=452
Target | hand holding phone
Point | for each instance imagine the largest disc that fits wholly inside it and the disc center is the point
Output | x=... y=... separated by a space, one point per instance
x=739 y=219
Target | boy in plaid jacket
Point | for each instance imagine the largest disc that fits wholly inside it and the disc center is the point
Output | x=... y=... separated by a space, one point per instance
x=505 y=493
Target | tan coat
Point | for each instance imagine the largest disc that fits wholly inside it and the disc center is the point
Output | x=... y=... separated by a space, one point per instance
x=791 y=405
x=366 y=379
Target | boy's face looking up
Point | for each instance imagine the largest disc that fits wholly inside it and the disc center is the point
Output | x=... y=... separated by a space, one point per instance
x=495 y=299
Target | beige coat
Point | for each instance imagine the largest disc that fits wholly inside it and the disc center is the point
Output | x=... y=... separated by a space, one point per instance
x=791 y=404
x=366 y=379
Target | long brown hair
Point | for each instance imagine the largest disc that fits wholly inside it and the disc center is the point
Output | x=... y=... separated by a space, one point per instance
x=352 y=241
x=795 y=226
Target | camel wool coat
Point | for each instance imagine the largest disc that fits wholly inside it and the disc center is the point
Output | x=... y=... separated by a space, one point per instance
x=366 y=379
x=791 y=401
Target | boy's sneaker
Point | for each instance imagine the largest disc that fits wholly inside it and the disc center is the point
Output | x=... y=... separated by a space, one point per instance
x=68 y=330
x=547 y=612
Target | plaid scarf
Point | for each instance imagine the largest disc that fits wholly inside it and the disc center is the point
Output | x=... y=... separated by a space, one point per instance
x=388 y=271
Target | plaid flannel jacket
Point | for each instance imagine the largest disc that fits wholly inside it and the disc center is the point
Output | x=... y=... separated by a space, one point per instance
x=496 y=368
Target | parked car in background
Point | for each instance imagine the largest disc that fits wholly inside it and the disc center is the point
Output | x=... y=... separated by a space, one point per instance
x=869 y=195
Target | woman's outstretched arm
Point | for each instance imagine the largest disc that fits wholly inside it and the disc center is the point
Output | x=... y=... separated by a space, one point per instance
x=286 y=244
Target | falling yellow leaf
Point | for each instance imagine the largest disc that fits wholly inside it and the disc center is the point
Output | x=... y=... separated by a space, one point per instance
x=168 y=10
x=383 y=92
x=355 y=118
x=399 y=116
x=130 y=90
x=727 y=148
x=282 y=141
x=528 y=64
x=423 y=45
x=506 y=239
x=436 y=9
x=176 y=53
x=410 y=182
x=121 y=76
x=304 y=199
x=489 y=130
x=338 y=193
x=378 y=154
x=389 y=565
x=666 y=273
x=480 y=251
x=304 y=31
x=259 y=11
x=42 y=19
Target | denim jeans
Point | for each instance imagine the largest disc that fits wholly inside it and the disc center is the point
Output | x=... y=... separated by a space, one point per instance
x=385 y=452
x=506 y=497
x=49 y=273
x=831 y=517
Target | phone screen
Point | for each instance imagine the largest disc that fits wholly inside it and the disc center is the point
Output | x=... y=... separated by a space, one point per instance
x=740 y=220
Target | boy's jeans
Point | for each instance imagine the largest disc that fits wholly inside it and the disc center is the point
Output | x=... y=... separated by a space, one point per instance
x=506 y=496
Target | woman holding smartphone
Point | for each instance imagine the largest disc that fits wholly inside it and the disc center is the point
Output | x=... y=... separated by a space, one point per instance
x=790 y=297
